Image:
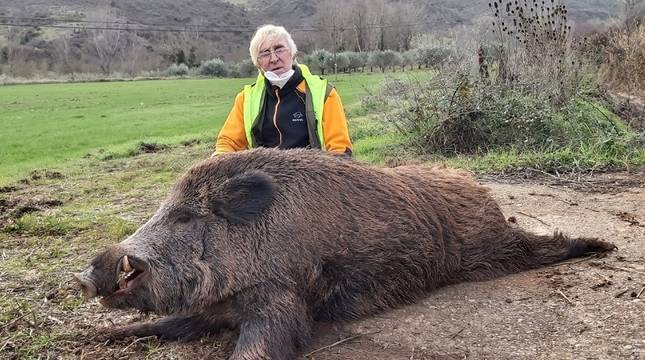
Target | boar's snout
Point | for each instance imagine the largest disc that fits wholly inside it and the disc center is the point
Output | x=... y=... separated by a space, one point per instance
x=87 y=286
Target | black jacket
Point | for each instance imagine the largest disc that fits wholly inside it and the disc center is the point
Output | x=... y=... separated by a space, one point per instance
x=283 y=122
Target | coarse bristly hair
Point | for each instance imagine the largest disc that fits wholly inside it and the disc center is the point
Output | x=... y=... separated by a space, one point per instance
x=267 y=242
x=273 y=33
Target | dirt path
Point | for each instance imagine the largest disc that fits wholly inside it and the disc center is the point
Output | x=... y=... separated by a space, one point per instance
x=589 y=309
x=578 y=310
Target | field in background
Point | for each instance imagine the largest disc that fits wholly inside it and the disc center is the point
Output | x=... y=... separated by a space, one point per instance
x=45 y=126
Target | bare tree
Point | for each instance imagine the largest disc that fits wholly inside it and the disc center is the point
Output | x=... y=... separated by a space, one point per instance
x=403 y=19
x=360 y=12
x=63 y=53
x=107 y=45
x=17 y=53
x=333 y=17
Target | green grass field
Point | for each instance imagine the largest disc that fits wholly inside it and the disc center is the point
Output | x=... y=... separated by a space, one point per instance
x=48 y=125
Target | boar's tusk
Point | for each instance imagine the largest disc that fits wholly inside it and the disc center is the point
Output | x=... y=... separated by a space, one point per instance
x=126 y=265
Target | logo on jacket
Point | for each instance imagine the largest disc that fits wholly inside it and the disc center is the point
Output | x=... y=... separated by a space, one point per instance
x=297 y=116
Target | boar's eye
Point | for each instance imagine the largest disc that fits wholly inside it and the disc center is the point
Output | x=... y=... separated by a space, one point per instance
x=183 y=217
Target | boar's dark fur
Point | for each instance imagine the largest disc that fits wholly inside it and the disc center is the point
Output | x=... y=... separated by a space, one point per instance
x=269 y=241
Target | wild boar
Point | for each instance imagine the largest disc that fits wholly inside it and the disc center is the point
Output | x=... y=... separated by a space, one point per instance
x=269 y=241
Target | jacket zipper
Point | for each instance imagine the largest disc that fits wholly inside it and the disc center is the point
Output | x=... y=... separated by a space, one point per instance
x=275 y=117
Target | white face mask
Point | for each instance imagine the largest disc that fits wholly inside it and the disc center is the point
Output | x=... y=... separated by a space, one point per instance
x=279 y=80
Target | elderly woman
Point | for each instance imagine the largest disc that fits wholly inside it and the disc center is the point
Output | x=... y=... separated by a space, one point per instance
x=287 y=107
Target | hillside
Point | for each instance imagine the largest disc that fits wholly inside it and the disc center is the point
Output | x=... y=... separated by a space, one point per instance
x=154 y=33
x=207 y=14
x=436 y=14
x=442 y=14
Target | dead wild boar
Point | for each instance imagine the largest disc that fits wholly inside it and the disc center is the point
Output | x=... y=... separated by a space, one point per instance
x=269 y=241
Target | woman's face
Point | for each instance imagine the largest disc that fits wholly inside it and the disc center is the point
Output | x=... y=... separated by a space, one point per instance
x=275 y=56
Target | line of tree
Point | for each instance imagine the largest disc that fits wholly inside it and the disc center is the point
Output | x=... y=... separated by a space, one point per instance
x=323 y=62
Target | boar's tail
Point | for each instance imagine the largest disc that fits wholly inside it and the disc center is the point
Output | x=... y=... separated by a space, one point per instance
x=518 y=250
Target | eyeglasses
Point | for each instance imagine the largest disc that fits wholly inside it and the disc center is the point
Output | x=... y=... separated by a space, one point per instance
x=266 y=54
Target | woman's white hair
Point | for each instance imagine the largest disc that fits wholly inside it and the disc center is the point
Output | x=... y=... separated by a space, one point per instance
x=272 y=33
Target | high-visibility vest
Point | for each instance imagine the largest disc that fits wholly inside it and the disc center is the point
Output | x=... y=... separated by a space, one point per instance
x=317 y=90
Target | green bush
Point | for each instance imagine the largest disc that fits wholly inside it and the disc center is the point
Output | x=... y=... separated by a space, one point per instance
x=320 y=60
x=457 y=113
x=356 y=61
x=245 y=68
x=214 y=68
x=177 y=70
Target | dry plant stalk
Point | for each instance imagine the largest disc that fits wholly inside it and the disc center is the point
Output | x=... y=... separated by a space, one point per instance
x=535 y=47
x=624 y=68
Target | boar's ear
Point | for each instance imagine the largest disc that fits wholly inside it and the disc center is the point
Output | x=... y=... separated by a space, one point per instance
x=242 y=198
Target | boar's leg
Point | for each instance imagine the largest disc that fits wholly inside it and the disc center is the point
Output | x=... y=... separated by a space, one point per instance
x=185 y=327
x=274 y=324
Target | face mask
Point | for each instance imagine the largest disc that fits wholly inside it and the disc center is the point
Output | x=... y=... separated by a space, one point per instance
x=279 y=80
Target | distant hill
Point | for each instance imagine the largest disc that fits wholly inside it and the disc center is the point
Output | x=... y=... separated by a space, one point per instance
x=215 y=14
x=441 y=14
x=438 y=14
x=228 y=24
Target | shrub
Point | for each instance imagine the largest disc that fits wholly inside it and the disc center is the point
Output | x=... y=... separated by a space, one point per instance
x=378 y=59
x=385 y=59
x=624 y=63
x=307 y=59
x=320 y=60
x=356 y=60
x=213 y=67
x=177 y=70
x=409 y=58
x=245 y=68
x=342 y=62
x=432 y=57
x=364 y=59
x=457 y=113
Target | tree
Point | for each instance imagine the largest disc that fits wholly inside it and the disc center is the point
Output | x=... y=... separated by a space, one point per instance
x=180 y=57
x=107 y=46
x=392 y=59
x=409 y=58
x=355 y=60
x=402 y=18
x=359 y=15
x=332 y=17
x=342 y=62
x=192 y=59
x=378 y=59
x=322 y=59
x=364 y=60
x=63 y=53
x=306 y=59
x=24 y=51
